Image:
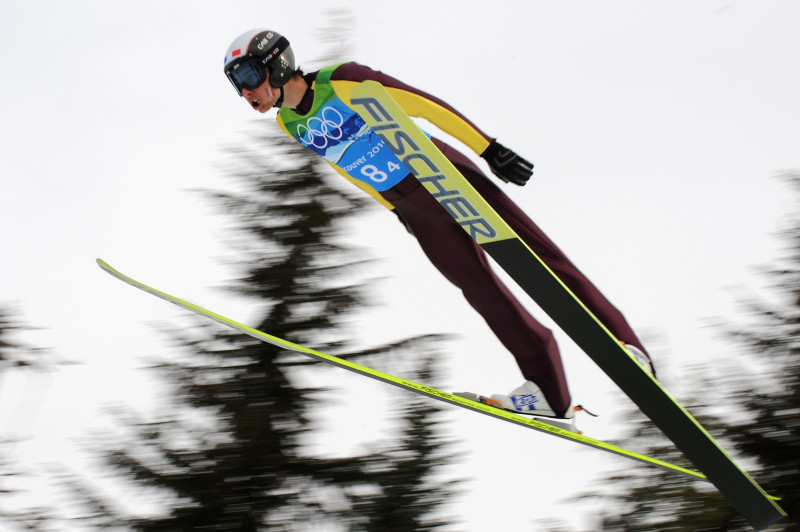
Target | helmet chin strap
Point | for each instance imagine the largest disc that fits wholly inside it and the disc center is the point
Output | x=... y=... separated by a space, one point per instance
x=280 y=100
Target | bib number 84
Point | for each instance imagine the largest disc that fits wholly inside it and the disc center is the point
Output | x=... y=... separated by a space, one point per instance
x=371 y=172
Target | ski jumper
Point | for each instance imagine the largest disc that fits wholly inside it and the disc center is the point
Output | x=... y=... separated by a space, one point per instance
x=324 y=123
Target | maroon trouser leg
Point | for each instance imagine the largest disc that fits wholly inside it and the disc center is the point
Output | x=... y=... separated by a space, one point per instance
x=465 y=264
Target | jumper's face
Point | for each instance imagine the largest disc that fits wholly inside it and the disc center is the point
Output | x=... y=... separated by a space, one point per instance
x=262 y=98
x=251 y=80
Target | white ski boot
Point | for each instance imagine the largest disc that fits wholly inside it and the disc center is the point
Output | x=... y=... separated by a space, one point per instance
x=526 y=399
x=642 y=359
x=529 y=400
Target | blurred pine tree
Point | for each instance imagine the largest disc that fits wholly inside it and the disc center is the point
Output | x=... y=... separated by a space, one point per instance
x=247 y=469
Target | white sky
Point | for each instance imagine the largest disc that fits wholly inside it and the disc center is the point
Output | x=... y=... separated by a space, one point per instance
x=656 y=129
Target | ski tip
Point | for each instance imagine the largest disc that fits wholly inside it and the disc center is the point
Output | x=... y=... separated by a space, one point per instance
x=107 y=267
x=103 y=264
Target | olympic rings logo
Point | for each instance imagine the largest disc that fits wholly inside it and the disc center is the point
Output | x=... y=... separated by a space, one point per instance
x=319 y=130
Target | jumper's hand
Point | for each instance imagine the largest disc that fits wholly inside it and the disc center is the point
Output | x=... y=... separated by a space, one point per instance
x=507 y=165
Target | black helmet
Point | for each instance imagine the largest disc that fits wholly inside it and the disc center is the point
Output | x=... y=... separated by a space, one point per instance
x=258 y=55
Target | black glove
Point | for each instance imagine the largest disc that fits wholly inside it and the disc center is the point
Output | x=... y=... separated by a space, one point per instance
x=506 y=164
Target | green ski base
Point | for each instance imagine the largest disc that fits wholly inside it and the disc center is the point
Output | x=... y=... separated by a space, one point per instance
x=474 y=406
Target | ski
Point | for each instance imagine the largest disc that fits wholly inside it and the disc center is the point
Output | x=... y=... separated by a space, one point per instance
x=474 y=406
x=373 y=102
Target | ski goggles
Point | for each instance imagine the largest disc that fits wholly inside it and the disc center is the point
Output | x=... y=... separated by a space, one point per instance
x=248 y=74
